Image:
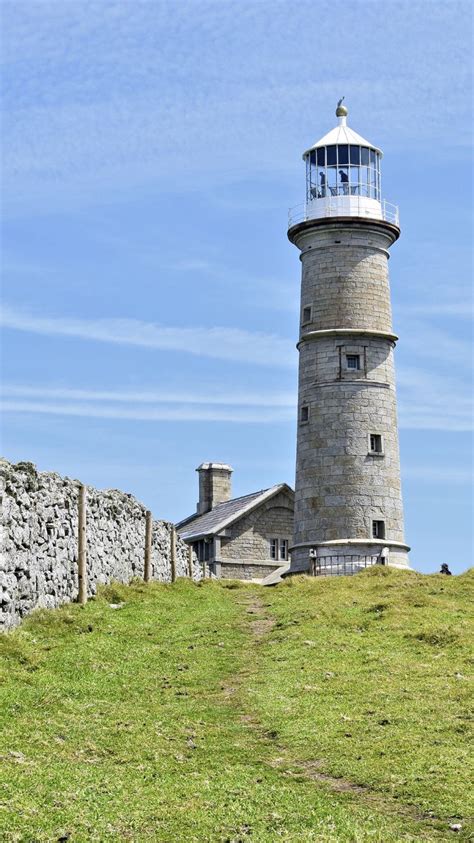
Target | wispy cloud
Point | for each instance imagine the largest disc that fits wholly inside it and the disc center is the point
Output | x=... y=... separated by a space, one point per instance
x=425 y=403
x=231 y=399
x=431 y=342
x=438 y=474
x=235 y=415
x=430 y=401
x=217 y=342
x=178 y=70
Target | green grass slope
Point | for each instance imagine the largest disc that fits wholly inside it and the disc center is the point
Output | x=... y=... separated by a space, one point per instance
x=319 y=710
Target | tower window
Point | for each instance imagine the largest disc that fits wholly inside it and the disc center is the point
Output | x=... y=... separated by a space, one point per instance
x=378 y=529
x=375 y=443
x=306 y=315
x=353 y=361
x=304 y=414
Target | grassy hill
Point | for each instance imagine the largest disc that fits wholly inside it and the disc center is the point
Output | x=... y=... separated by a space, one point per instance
x=319 y=710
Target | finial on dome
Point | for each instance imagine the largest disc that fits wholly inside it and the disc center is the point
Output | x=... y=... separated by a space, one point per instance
x=341 y=110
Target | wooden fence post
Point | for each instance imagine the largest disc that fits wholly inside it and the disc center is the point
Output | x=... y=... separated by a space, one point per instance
x=147 y=565
x=173 y=553
x=82 y=546
x=190 y=561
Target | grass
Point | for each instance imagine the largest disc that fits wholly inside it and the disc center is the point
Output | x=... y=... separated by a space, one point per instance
x=319 y=710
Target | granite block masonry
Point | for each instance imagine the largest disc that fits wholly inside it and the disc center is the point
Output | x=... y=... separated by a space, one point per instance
x=39 y=541
x=348 y=499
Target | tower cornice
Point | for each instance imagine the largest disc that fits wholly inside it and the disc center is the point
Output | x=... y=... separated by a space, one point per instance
x=336 y=332
x=336 y=223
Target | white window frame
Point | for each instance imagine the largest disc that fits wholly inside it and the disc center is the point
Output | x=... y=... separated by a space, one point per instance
x=277 y=544
x=353 y=368
x=370 y=451
x=378 y=521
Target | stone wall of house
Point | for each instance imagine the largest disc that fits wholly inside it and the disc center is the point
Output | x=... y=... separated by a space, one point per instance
x=39 y=541
x=249 y=538
x=231 y=571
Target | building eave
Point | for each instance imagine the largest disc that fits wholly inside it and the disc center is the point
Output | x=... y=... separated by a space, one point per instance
x=267 y=495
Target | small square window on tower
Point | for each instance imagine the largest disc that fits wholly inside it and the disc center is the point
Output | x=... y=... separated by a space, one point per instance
x=304 y=414
x=378 y=529
x=375 y=444
x=306 y=315
x=353 y=361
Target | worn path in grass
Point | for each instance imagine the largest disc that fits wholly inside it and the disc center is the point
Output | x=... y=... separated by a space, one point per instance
x=169 y=719
x=283 y=758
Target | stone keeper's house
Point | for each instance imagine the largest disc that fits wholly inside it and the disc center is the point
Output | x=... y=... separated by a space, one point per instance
x=239 y=538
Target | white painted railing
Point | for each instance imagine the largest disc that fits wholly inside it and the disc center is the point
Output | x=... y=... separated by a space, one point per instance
x=338 y=206
x=342 y=566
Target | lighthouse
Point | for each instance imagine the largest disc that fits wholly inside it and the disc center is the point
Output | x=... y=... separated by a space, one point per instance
x=348 y=502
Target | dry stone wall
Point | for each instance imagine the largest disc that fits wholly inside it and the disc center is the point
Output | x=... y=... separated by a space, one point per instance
x=39 y=541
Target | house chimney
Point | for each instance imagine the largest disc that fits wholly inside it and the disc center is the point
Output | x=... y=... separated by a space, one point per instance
x=214 y=485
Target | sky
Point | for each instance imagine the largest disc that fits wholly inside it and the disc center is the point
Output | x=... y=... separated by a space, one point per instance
x=150 y=153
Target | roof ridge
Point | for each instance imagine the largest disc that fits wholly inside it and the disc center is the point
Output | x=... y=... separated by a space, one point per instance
x=241 y=497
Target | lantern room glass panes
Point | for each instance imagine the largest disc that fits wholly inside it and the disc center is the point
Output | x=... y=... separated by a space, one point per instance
x=343 y=170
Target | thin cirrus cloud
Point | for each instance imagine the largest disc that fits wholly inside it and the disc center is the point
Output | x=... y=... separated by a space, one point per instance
x=440 y=404
x=174 y=414
x=236 y=398
x=216 y=342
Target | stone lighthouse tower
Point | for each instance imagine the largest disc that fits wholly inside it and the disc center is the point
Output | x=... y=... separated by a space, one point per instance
x=348 y=505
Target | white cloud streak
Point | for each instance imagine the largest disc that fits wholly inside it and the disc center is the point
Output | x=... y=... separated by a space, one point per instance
x=236 y=398
x=437 y=474
x=423 y=405
x=428 y=401
x=188 y=414
x=216 y=342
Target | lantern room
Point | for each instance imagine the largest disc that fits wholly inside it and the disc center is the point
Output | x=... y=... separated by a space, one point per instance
x=343 y=177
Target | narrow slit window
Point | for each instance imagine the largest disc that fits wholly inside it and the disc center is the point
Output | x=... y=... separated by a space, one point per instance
x=304 y=414
x=353 y=361
x=375 y=443
x=378 y=529
x=273 y=548
x=284 y=549
x=306 y=315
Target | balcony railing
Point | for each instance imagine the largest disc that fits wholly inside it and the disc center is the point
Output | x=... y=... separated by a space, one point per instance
x=342 y=566
x=335 y=206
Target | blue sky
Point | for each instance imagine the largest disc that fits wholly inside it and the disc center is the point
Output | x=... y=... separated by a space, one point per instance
x=150 y=153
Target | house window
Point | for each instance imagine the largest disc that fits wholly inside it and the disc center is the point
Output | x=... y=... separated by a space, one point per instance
x=353 y=361
x=202 y=549
x=378 y=529
x=304 y=414
x=375 y=443
x=279 y=549
x=306 y=315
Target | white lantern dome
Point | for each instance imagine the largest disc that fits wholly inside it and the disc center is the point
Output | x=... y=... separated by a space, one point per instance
x=343 y=177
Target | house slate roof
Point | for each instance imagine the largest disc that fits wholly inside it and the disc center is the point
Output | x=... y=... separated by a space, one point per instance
x=224 y=514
